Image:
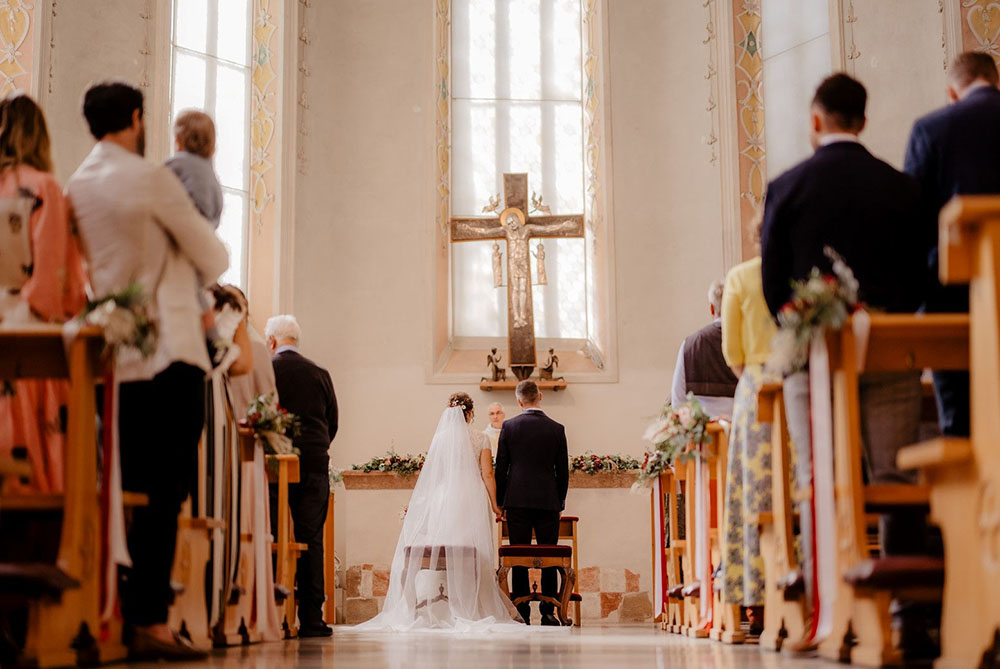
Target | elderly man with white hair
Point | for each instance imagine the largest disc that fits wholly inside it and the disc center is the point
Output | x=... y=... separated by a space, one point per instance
x=306 y=390
x=701 y=368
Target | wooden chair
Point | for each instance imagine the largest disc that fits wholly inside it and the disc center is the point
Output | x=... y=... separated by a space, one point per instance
x=786 y=609
x=286 y=548
x=64 y=625
x=897 y=342
x=534 y=556
x=567 y=532
x=964 y=474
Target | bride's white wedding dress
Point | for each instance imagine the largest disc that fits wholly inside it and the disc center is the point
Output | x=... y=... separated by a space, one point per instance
x=443 y=575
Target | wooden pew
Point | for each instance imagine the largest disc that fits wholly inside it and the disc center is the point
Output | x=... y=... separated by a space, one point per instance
x=285 y=546
x=964 y=474
x=188 y=615
x=672 y=550
x=64 y=630
x=897 y=342
x=330 y=565
x=785 y=613
x=725 y=617
x=676 y=552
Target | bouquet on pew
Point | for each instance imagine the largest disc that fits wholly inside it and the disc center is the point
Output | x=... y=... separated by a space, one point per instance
x=125 y=321
x=591 y=464
x=821 y=302
x=675 y=435
x=273 y=425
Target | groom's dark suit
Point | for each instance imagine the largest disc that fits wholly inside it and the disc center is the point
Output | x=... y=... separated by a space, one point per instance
x=532 y=476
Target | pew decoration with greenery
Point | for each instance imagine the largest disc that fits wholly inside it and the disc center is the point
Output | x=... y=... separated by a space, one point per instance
x=393 y=462
x=125 y=321
x=675 y=435
x=589 y=463
x=273 y=425
x=821 y=302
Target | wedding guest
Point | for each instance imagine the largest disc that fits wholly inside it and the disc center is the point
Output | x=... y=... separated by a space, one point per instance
x=701 y=368
x=845 y=198
x=306 y=390
x=747 y=330
x=139 y=226
x=953 y=151
x=30 y=418
x=492 y=431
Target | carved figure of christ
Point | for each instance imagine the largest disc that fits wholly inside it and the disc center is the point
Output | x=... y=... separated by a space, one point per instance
x=517 y=227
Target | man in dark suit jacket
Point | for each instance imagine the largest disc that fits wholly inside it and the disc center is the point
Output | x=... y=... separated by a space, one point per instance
x=845 y=198
x=306 y=390
x=532 y=476
x=956 y=151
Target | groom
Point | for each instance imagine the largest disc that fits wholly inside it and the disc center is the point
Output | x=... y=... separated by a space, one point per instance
x=532 y=476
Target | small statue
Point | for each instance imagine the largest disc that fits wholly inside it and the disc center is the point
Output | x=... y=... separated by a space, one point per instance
x=496 y=371
x=543 y=278
x=545 y=371
x=497 y=265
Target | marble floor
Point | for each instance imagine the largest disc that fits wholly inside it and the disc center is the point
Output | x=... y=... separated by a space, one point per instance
x=639 y=646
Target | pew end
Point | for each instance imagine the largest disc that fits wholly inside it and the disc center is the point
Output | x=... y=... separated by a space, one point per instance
x=935 y=454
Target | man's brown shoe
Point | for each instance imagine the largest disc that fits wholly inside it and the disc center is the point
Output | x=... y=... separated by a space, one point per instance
x=148 y=647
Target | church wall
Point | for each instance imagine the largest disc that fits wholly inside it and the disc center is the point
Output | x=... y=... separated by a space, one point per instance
x=87 y=46
x=364 y=251
x=900 y=59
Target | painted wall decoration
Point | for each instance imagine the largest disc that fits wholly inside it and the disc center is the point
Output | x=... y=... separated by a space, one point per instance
x=750 y=115
x=17 y=19
x=981 y=26
x=442 y=82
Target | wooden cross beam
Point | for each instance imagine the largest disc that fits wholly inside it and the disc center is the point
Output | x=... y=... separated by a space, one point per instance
x=517 y=227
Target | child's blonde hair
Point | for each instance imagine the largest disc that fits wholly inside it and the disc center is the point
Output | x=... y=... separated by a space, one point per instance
x=195 y=132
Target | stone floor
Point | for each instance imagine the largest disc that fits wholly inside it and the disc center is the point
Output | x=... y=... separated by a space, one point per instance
x=618 y=646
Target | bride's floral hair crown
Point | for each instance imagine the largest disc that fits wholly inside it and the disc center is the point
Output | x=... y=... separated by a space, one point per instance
x=462 y=401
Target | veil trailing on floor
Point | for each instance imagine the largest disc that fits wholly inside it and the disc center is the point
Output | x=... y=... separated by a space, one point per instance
x=443 y=574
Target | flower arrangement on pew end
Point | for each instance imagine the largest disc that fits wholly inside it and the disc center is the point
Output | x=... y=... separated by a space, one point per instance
x=676 y=435
x=589 y=463
x=392 y=462
x=821 y=302
x=124 y=319
x=273 y=425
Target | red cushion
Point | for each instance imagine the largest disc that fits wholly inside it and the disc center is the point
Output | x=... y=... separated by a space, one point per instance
x=890 y=573
x=692 y=590
x=676 y=592
x=575 y=597
x=536 y=551
x=572 y=518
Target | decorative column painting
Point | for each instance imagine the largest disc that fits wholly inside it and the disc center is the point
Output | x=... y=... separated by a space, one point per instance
x=17 y=45
x=265 y=63
x=750 y=115
x=981 y=26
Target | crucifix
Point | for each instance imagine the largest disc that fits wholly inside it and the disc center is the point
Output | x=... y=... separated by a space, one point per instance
x=517 y=226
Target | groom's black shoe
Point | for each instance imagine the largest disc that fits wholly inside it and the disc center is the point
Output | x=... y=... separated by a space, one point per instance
x=316 y=630
x=550 y=620
x=525 y=614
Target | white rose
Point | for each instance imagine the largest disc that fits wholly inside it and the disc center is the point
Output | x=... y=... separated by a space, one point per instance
x=685 y=417
x=119 y=327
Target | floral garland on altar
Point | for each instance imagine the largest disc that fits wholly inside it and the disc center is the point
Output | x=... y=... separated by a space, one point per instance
x=674 y=434
x=392 y=462
x=821 y=302
x=591 y=464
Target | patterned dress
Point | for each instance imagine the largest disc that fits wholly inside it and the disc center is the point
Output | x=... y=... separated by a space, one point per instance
x=747 y=330
x=32 y=411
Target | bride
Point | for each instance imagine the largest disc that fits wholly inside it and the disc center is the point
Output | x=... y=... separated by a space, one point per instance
x=443 y=574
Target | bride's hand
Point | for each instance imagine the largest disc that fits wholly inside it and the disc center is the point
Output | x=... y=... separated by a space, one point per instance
x=498 y=512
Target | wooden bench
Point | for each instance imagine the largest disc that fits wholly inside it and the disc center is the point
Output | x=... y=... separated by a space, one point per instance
x=671 y=617
x=785 y=608
x=330 y=564
x=964 y=474
x=66 y=629
x=725 y=617
x=535 y=556
x=567 y=532
x=286 y=548
x=861 y=628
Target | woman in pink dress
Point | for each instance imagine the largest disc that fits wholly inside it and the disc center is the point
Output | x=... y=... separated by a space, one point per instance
x=32 y=412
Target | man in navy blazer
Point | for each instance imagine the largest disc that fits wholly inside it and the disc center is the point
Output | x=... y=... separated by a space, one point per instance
x=956 y=151
x=532 y=476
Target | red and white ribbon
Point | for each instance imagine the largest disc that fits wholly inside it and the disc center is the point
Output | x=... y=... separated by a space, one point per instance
x=659 y=551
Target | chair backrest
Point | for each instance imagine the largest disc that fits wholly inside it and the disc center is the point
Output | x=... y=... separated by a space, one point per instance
x=567 y=530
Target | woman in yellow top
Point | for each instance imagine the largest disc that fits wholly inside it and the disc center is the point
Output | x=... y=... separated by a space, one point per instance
x=747 y=329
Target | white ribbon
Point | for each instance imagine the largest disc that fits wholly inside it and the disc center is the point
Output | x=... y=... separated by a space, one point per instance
x=825 y=529
x=659 y=552
x=702 y=522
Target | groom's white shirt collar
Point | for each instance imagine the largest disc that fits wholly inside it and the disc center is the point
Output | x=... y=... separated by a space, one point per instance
x=533 y=409
x=286 y=347
x=834 y=137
